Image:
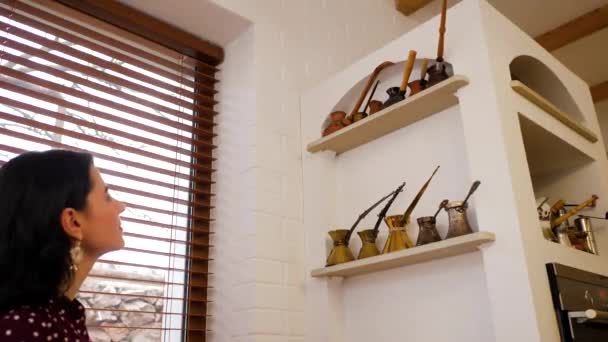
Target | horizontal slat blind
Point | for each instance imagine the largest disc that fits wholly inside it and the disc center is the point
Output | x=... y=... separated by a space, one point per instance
x=146 y=114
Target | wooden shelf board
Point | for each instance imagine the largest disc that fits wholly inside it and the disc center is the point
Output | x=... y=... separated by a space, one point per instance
x=404 y=113
x=550 y=108
x=433 y=251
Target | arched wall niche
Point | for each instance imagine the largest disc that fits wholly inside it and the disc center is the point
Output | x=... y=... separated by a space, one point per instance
x=540 y=78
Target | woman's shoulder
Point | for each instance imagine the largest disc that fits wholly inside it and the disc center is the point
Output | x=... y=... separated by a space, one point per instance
x=53 y=320
x=24 y=323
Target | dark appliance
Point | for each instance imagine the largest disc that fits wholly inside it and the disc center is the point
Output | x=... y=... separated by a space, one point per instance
x=580 y=300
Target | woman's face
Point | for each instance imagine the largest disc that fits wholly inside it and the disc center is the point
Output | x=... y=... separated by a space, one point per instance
x=100 y=221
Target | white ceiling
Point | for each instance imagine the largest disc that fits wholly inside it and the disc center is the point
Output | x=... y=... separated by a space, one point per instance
x=535 y=17
x=195 y=17
x=539 y=16
x=587 y=57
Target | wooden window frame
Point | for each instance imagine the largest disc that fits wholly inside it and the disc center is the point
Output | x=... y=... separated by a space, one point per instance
x=150 y=28
x=157 y=31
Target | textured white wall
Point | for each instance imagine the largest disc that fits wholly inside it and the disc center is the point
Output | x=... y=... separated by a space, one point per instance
x=234 y=239
x=450 y=293
x=295 y=45
x=481 y=44
x=288 y=56
x=505 y=43
x=443 y=300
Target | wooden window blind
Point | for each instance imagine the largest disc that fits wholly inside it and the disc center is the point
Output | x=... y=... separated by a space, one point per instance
x=145 y=112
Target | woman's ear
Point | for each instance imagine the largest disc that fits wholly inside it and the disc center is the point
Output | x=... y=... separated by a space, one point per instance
x=71 y=224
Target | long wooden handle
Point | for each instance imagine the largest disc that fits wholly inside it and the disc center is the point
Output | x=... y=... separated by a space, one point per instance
x=371 y=95
x=407 y=71
x=408 y=212
x=573 y=211
x=367 y=87
x=444 y=9
x=425 y=65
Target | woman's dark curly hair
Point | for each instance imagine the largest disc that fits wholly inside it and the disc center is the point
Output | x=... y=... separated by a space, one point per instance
x=35 y=187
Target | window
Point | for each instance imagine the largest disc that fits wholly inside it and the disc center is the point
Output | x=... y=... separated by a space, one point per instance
x=145 y=112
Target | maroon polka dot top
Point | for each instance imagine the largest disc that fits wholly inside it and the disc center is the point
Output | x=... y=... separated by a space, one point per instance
x=60 y=319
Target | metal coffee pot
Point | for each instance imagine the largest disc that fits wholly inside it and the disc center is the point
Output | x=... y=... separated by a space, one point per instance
x=561 y=230
x=368 y=243
x=340 y=253
x=583 y=224
x=397 y=235
x=428 y=231
x=457 y=215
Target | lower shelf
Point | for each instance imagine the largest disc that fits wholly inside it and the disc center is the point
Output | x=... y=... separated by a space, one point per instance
x=438 y=250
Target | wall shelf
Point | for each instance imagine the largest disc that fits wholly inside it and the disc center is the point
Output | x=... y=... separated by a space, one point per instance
x=550 y=108
x=404 y=113
x=438 y=250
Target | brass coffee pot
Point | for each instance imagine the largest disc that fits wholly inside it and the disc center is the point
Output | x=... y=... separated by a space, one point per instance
x=368 y=236
x=397 y=235
x=368 y=243
x=340 y=253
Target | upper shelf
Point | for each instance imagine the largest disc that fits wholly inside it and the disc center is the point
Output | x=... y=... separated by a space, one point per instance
x=436 y=250
x=404 y=113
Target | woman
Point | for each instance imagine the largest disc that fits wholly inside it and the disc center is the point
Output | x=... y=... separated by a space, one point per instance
x=56 y=220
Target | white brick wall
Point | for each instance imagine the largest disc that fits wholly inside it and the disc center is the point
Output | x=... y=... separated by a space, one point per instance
x=234 y=266
x=296 y=43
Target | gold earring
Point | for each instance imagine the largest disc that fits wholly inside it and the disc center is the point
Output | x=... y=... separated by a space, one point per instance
x=75 y=256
